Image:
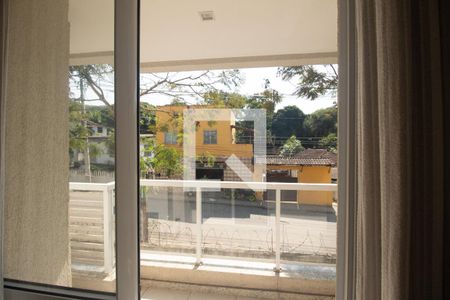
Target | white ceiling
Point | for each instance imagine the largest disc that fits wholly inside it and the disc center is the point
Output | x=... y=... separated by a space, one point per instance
x=244 y=32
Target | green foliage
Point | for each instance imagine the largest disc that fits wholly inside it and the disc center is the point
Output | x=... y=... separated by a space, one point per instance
x=77 y=131
x=80 y=123
x=168 y=161
x=230 y=78
x=92 y=78
x=206 y=159
x=329 y=142
x=145 y=157
x=244 y=132
x=95 y=150
x=322 y=122
x=221 y=99
x=159 y=159
x=178 y=102
x=147 y=118
x=173 y=124
x=313 y=81
x=110 y=142
x=288 y=121
x=267 y=100
x=291 y=147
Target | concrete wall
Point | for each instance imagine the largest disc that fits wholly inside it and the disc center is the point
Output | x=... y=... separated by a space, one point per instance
x=315 y=174
x=36 y=240
x=311 y=174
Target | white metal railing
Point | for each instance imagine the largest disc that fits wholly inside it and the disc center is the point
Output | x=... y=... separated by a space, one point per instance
x=198 y=186
x=107 y=190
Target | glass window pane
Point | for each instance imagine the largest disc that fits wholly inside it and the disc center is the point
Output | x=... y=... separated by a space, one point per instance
x=59 y=195
x=170 y=138
x=210 y=137
x=249 y=188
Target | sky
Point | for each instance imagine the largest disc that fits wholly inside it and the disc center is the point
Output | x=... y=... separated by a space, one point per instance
x=254 y=80
x=255 y=83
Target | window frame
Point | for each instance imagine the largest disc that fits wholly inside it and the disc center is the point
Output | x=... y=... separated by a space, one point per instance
x=127 y=14
x=347 y=160
x=126 y=62
x=3 y=28
x=170 y=138
x=207 y=137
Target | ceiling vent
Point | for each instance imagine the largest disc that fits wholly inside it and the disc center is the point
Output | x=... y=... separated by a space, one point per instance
x=207 y=15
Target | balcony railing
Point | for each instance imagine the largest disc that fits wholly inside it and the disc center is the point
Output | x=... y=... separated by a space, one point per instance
x=106 y=219
x=92 y=225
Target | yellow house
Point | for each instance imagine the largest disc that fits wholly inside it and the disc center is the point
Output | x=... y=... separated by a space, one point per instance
x=213 y=138
x=309 y=166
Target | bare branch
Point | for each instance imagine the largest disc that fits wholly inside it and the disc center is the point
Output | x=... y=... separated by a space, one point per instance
x=334 y=70
x=97 y=90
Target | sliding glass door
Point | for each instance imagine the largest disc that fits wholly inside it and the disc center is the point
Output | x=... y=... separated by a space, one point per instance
x=203 y=152
x=59 y=147
x=238 y=144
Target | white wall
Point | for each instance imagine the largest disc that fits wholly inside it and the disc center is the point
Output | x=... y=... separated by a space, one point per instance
x=172 y=31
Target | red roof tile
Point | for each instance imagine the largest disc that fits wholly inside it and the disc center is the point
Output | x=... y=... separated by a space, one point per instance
x=308 y=157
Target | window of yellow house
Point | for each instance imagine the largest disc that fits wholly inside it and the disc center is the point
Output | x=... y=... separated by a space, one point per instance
x=210 y=137
x=170 y=138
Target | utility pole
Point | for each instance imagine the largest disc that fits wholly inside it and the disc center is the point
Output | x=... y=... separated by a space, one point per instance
x=87 y=156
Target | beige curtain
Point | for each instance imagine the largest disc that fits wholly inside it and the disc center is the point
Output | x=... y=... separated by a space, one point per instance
x=35 y=142
x=399 y=149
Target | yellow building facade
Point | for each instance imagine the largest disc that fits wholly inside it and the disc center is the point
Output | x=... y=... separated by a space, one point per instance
x=215 y=139
x=169 y=121
x=309 y=166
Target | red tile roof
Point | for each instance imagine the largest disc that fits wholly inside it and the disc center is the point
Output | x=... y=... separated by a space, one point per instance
x=308 y=157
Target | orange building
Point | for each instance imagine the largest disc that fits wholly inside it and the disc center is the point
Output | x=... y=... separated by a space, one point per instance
x=309 y=166
x=216 y=139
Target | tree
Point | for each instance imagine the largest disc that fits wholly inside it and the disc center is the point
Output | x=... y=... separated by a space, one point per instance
x=267 y=100
x=94 y=83
x=155 y=159
x=288 y=121
x=82 y=117
x=167 y=160
x=313 y=81
x=329 y=142
x=291 y=147
x=88 y=84
x=206 y=159
x=147 y=118
x=322 y=122
x=222 y=99
x=184 y=85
